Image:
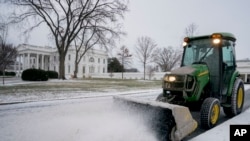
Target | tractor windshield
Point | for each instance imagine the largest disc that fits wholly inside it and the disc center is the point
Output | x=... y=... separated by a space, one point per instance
x=197 y=51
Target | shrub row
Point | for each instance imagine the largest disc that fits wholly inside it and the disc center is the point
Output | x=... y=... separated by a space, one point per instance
x=8 y=73
x=38 y=75
x=52 y=74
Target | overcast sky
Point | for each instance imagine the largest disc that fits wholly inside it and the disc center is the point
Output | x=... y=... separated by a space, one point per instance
x=165 y=21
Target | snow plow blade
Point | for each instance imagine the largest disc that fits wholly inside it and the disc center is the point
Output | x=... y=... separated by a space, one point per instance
x=169 y=121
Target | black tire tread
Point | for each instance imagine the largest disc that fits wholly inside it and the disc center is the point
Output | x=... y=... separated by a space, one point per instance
x=205 y=112
x=233 y=110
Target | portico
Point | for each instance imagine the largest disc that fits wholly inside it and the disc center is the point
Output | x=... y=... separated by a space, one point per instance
x=47 y=58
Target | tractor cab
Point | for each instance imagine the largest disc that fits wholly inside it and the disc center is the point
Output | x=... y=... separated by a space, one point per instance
x=217 y=52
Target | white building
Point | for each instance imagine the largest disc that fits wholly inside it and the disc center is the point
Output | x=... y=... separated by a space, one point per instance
x=243 y=66
x=47 y=58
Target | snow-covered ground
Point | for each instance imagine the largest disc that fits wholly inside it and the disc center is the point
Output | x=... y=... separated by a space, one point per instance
x=34 y=96
x=222 y=132
x=89 y=116
x=84 y=119
x=96 y=120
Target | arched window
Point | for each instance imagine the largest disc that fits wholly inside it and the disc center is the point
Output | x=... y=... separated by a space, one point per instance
x=91 y=59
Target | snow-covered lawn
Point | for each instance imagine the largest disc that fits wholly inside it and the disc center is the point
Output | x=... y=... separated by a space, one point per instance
x=22 y=91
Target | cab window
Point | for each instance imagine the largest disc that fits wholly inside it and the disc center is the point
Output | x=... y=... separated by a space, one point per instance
x=228 y=54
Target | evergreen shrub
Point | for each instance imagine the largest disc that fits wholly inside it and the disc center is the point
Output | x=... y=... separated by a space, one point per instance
x=34 y=75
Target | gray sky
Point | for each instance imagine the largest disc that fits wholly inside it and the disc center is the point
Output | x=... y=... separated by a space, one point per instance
x=165 y=21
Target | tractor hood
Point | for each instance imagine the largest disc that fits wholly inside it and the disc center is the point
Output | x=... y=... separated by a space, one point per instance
x=194 y=70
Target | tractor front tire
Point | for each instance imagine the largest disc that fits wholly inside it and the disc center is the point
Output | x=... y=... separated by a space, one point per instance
x=237 y=99
x=210 y=112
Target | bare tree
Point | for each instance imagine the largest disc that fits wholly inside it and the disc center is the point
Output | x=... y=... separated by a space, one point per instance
x=8 y=52
x=167 y=58
x=66 y=19
x=191 y=30
x=124 y=57
x=94 y=35
x=150 y=71
x=3 y=31
x=144 y=50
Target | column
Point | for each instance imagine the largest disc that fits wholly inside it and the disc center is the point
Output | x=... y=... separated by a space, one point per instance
x=24 y=61
x=37 y=59
x=19 y=63
x=15 y=67
x=28 y=60
x=49 y=63
x=42 y=62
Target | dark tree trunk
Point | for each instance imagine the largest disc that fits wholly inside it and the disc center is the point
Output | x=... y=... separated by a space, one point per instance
x=62 y=67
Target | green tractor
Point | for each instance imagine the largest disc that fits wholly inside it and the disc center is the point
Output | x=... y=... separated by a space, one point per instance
x=207 y=78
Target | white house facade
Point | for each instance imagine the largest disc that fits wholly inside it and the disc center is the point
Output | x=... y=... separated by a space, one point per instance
x=47 y=58
x=243 y=66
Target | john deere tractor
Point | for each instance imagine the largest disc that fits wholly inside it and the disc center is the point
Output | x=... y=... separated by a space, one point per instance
x=207 y=78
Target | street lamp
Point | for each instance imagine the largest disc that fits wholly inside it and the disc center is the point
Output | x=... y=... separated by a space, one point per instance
x=111 y=68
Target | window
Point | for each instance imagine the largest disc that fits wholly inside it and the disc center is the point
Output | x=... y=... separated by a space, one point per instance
x=69 y=69
x=83 y=69
x=69 y=57
x=228 y=55
x=196 y=51
x=98 y=60
x=91 y=59
x=91 y=69
x=103 y=61
x=54 y=58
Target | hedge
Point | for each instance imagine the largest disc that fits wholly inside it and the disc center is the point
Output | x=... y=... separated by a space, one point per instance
x=8 y=73
x=52 y=74
x=34 y=75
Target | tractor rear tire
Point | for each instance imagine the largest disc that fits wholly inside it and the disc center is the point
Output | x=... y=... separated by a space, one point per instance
x=210 y=112
x=237 y=99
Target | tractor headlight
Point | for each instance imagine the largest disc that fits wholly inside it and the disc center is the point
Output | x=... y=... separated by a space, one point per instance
x=216 y=38
x=216 y=41
x=184 y=44
x=170 y=78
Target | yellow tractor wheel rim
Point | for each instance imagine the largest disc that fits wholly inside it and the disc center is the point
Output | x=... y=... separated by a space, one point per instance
x=215 y=113
x=240 y=98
